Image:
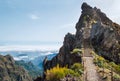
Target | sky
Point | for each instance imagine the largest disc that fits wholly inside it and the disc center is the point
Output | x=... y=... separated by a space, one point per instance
x=45 y=22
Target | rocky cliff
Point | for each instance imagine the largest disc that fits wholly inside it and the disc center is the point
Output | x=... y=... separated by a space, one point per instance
x=11 y=72
x=95 y=30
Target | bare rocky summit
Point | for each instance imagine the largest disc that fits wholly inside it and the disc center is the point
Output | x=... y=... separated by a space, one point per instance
x=94 y=29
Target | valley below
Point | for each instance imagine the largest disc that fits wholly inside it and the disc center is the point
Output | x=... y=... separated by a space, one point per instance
x=91 y=54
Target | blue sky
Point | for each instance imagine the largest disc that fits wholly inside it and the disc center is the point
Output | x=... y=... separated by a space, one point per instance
x=36 y=22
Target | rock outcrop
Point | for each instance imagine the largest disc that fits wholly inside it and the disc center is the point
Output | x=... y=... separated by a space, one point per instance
x=64 y=57
x=100 y=32
x=95 y=30
x=11 y=72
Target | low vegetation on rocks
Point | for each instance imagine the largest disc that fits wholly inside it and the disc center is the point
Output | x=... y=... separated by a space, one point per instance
x=77 y=50
x=77 y=67
x=60 y=73
x=107 y=70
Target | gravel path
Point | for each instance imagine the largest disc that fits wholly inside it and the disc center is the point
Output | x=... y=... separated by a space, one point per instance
x=90 y=72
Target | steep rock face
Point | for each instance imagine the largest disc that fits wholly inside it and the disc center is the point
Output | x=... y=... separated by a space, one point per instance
x=11 y=72
x=64 y=57
x=101 y=32
x=94 y=30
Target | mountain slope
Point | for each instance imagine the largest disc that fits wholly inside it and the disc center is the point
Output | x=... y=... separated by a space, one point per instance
x=95 y=30
x=33 y=70
x=11 y=72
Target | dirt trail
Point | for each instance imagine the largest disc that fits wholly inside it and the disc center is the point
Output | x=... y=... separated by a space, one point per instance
x=90 y=72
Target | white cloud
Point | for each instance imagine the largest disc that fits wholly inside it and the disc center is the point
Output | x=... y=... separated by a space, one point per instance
x=34 y=16
x=29 y=47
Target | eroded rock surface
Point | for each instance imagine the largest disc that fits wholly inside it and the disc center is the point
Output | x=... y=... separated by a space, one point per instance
x=93 y=30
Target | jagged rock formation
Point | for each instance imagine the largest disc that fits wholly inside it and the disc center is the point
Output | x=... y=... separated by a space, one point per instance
x=95 y=30
x=64 y=57
x=11 y=72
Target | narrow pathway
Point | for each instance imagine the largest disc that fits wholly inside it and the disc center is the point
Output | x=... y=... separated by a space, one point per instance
x=90 y=72
x=90 y=69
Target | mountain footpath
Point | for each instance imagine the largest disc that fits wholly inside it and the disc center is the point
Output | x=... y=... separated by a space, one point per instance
x=97 y=30
x=90 y=73
x=94 y=32
x=90 y=70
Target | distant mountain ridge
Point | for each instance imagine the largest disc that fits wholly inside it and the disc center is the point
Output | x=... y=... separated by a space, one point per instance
x=33 y=70
x=9 y=71
x=28 y=55
x=21 y=59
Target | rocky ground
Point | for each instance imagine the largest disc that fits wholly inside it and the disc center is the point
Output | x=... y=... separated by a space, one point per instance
x=11 y=72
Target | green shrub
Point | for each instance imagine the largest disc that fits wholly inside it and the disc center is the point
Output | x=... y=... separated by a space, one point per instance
x=99 y=61
x=102 y=63
x=77 y=67
x=118 y=68
x=57 y=73
x=117 y=77
x=115 y=67
x=92 y=53
x=77 y=50
x=71 y=72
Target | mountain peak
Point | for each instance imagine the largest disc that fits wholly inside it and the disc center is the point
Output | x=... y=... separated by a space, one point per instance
x=85 y=6
x=96 y=30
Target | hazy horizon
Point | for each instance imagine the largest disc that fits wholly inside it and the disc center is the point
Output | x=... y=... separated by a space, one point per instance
x=30 y=47
x=41 y=22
